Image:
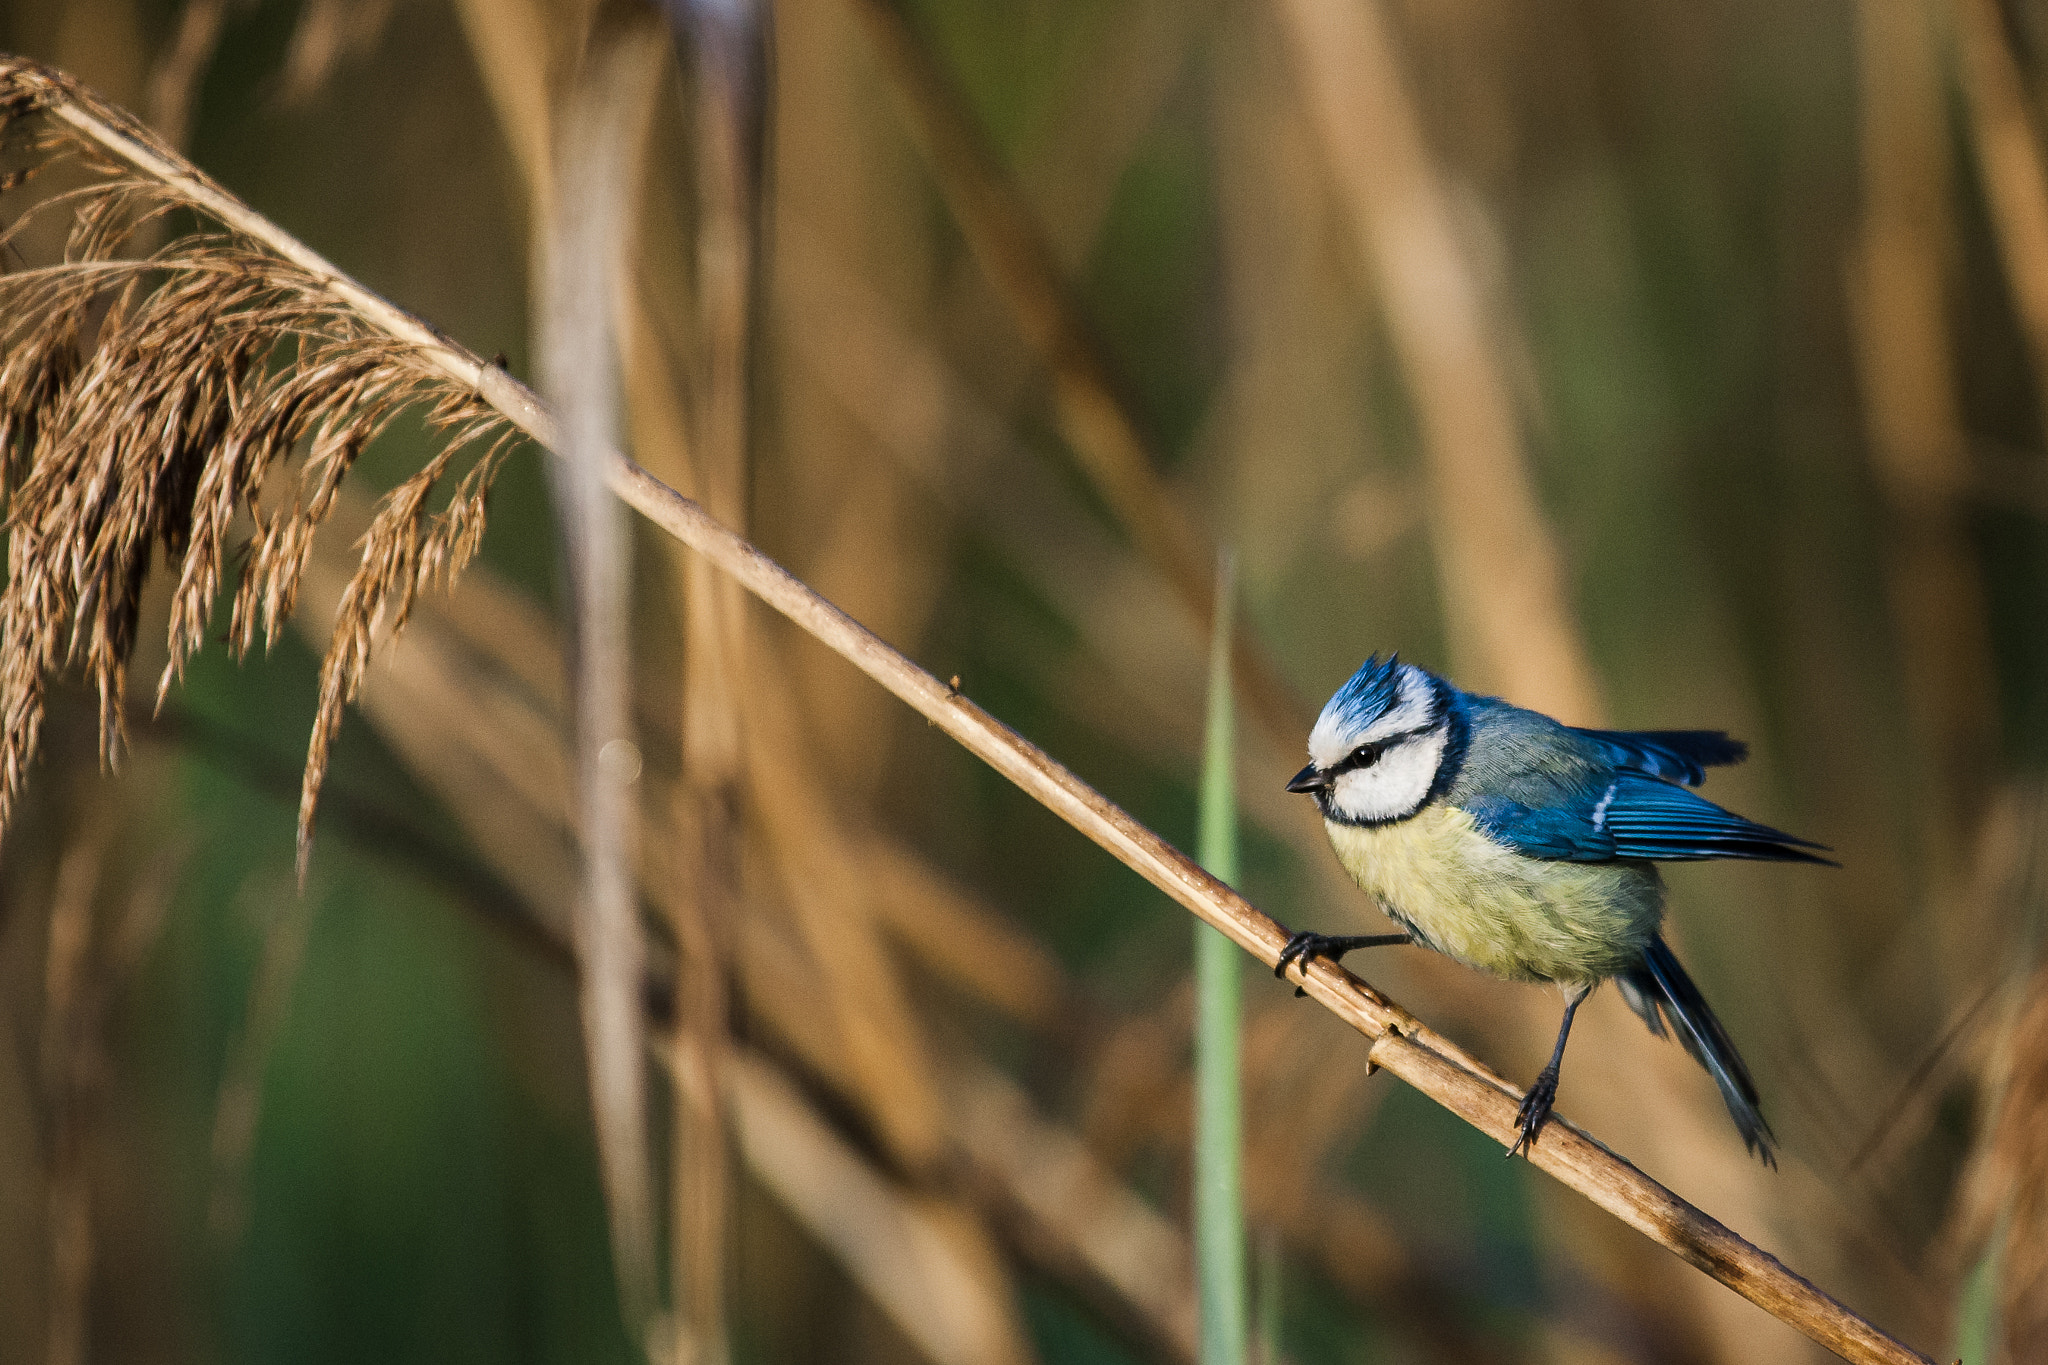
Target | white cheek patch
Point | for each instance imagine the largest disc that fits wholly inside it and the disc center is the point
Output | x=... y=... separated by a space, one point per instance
x=1393 y=787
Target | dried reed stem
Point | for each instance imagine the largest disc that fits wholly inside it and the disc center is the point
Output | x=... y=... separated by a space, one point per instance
x=1399 y=1042
x=1505 y=591
x=924 y=1265
x=727 y=50
x=2011 y=160
x=1899 y=304
x=598 y=133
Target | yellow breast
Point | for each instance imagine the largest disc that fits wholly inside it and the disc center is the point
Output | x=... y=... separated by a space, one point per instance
x=1527 y=919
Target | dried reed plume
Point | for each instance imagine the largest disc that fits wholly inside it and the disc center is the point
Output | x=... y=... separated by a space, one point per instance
x=148 y=400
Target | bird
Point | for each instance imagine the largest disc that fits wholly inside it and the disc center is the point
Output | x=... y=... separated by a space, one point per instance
x=1527 y=848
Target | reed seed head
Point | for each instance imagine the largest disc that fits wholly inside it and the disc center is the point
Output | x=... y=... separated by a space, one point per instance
x=168 y=399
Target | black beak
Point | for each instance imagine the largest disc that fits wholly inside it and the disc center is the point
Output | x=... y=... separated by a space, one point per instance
x=1309 y=779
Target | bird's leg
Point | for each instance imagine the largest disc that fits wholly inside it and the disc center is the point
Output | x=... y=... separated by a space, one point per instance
x=1306 y=947
x=1535 y=1110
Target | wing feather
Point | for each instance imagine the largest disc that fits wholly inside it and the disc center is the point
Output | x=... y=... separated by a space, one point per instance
x=1649 y=818
x=1675 y=755
x=1635 y=816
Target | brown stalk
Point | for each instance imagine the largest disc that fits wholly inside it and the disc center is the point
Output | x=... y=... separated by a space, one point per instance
x=706 y=814
x=1505 y=593
x=328 y=33
x=1399 y=1042
x=598 y=135
x=175 y=80
x=1899 y=307
x=2011 y=161
x=727 y=61
x=915 y=1255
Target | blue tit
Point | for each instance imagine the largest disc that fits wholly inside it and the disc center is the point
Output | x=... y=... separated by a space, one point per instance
x=1528 y=849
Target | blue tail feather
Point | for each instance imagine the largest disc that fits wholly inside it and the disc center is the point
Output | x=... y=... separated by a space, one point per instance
x=1661 y=987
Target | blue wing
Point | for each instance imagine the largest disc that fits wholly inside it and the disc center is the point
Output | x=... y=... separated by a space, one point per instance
x=1565 y=833
x=1634 y=816
x=1676 y=755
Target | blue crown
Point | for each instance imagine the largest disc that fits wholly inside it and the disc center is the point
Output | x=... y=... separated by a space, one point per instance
x=1368 y=696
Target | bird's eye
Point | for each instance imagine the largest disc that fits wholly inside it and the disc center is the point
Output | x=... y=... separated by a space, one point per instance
x=1365 y=756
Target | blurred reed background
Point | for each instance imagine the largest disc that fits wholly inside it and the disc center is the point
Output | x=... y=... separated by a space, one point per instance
x=1658 y=364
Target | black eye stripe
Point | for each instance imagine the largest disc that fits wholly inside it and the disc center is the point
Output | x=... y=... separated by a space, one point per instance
x=1365 y=755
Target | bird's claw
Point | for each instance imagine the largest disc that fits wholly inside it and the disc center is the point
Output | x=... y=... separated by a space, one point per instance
x=1535 y=1111
x=1306 y=947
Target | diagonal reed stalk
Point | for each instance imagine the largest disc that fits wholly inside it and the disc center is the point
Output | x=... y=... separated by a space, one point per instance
x=1398 y=1041
x=1219 y=1105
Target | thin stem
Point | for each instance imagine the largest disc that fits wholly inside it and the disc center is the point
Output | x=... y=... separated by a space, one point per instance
x=1401 y=1043
x=1219 y=1119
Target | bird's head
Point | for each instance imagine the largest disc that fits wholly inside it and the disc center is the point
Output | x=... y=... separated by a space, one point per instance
x=1379 y=746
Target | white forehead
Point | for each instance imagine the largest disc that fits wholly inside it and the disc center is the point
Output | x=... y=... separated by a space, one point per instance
x=1337 y=731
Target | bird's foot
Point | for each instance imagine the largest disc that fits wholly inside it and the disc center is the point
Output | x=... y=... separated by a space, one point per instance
x=1535 y=1110
x=1305 y=947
